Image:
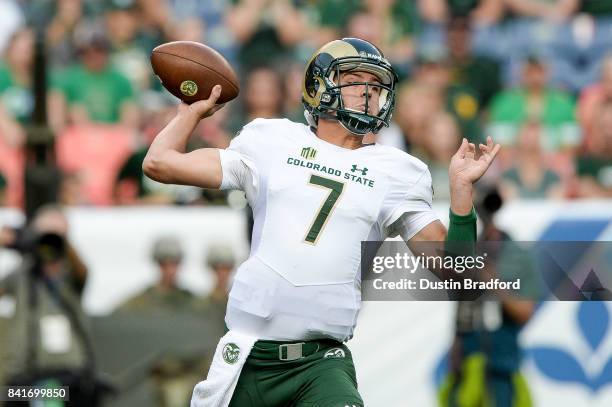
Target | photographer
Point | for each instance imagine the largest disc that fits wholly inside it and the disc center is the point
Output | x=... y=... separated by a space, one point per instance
x=49 y=224
x=485 y=356
x=47 y=335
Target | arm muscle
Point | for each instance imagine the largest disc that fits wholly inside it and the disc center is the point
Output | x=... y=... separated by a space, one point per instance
x=201 y=168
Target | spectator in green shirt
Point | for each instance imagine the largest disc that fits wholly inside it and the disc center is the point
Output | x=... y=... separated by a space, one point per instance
x=535 y=101
x=16 y=100
x=92 y=91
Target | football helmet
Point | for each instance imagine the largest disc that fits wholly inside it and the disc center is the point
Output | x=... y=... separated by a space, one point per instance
x=321 y=88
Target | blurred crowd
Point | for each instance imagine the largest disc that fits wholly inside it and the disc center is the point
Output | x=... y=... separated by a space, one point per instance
x=536 y=75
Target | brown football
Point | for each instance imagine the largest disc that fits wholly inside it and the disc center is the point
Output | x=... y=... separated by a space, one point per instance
x=189 y=70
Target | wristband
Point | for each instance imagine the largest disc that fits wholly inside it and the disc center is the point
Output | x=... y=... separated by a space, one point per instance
x=462 y=228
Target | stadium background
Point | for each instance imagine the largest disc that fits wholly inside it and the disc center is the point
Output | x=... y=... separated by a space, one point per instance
x=533 y=74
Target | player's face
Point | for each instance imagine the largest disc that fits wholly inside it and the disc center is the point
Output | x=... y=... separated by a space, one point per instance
x=354 y=97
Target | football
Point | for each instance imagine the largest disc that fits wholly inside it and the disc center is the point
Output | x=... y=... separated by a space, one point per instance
x=189 y=70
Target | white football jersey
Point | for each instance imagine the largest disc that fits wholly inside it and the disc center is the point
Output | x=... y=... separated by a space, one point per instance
x=313 y=204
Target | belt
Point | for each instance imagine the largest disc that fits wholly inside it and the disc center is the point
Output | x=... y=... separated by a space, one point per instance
x=293 y=351
x=288 y=351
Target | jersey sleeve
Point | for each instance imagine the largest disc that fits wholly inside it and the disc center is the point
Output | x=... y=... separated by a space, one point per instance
x=239 y=163
x=407 y=208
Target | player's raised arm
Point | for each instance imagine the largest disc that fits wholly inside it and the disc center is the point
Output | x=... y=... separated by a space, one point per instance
x=166 y=160
x=465 y=169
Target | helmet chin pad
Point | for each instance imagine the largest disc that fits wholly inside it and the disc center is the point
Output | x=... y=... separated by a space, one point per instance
x=359 y=124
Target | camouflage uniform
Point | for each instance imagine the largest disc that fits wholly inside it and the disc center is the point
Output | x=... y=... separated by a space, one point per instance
x=156 y=297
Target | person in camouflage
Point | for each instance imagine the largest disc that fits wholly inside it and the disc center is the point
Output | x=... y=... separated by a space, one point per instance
x=168 y=254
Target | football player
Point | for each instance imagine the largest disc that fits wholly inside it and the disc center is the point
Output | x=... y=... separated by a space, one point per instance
x=317 y=191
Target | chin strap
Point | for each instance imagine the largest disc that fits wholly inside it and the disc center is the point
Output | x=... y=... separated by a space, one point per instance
x=310 y=119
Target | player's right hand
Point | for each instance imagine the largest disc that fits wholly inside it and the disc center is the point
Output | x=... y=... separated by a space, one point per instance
x=203 y=108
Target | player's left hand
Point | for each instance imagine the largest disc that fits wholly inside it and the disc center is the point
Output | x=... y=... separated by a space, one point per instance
x=465 y=168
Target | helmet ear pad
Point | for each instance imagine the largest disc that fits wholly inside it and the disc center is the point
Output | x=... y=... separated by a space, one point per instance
x=331 y=97
x=327 y=98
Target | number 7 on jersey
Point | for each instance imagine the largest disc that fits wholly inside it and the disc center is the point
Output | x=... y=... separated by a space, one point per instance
x=326 y=208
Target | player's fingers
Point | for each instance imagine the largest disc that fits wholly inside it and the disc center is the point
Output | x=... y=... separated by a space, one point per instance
x=486 y=148
x=214 y=95
x=462 y=148
x=490 y=154
x=207 y=107
x=495 y=151
x=471 y=151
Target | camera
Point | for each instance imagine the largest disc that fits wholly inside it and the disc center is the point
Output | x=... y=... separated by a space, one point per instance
x=43 y=248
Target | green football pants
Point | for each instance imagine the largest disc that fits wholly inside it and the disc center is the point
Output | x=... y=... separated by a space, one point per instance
x=319 y=374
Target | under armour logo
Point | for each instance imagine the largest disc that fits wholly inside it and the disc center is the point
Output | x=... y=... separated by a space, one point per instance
x=335 y=353
x=363 y=170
